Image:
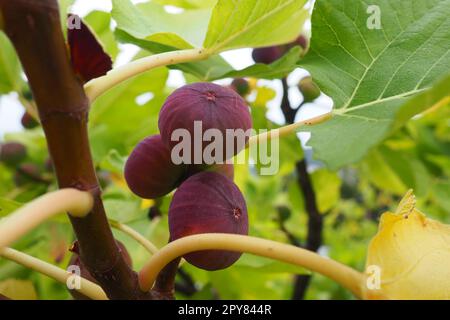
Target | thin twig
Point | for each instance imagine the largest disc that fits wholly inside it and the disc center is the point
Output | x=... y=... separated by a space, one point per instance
x=315 y=219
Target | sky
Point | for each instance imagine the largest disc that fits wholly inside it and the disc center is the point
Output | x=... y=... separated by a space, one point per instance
x=11 y=110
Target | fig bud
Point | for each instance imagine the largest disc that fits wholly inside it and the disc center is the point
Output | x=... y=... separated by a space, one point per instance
x=12 y=153
x=75 y=261
x=309 y=89
x=268 y=55
x=208 y=202
x=199 y=108
x=149 y=171
x=241 y=86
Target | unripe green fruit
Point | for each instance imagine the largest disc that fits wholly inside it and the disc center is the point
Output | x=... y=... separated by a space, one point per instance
x=241 y=86
x=309 y=89
x=12 y=153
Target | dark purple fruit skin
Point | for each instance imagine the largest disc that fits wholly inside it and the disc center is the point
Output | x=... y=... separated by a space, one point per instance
x=28 y=122
x=268 y=55
x=84 y=273
x=241 y=86
x=215 y=106
x=149 y=171
x=208 y=202
x=12 y=153
x=226 y=169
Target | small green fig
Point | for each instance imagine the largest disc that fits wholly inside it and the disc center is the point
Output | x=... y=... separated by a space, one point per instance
x=309 y=89
x=241 y=86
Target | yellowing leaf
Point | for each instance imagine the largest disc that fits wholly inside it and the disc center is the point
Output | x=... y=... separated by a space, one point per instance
x=18 y=289
x=412 y=254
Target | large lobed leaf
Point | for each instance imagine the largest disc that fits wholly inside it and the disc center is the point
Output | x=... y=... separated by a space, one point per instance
x=254 y=23
x=377 y=78
x=229 y=25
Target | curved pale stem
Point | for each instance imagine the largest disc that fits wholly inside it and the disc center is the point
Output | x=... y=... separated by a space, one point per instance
x=86 y=287
x=288 y=129
x=150 y=247
x=342 y=274
x=98 y=86
x=77 y=203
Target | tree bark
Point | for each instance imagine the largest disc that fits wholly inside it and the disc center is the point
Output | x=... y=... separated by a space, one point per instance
x=35 y=31
x=315 y=219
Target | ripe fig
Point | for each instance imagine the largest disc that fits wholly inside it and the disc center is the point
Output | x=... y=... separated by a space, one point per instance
x=208 y=202
x=309 y=89
x=226 y=169
x=241 y=86
x=149 y=171
x=197 y=108
x=268 y=55
x=12 y=153
x=75 y=260
x=28 y=122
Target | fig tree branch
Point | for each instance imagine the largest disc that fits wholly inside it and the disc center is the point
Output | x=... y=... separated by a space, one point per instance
x=98 y=86
x=25 y=219
x=342 y=274
x=165 y=281
x=315 y=225
x=87 y=287
x=34 y=28
x=315 y=219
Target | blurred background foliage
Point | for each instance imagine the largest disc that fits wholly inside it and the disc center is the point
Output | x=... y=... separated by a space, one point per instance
x=352 y=198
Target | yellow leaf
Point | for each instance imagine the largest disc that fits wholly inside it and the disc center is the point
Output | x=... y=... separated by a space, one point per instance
x=412 y=254
x=18 y=289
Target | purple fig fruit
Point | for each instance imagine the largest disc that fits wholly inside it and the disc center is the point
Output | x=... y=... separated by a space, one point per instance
x=12 y=153
x=208 y=202
x=226 y=169
x=268 y=55
x=204 y=107
x=149 y=171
